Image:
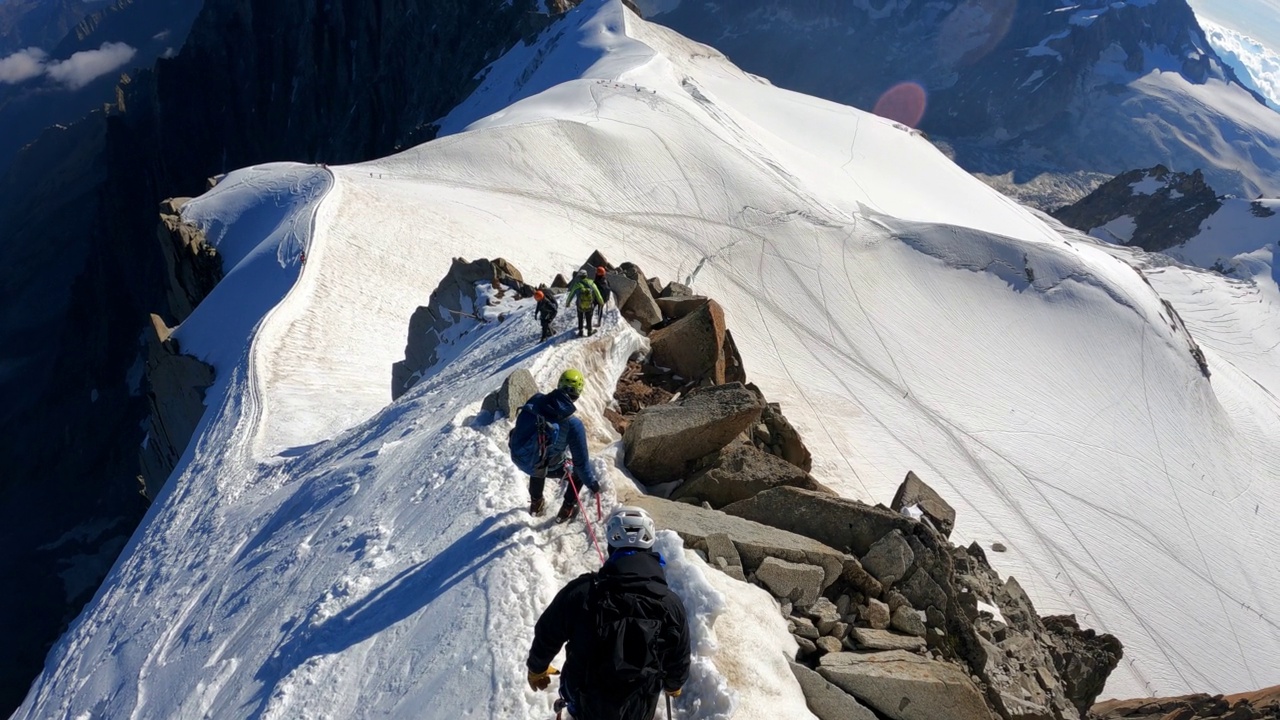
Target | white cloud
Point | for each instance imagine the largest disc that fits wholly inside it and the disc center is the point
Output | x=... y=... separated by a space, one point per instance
x=87 y=65
x=22 y=65
x=1257 y=65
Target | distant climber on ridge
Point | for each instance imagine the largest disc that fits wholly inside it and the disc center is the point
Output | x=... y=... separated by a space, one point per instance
x=544 y=429
x=627 y=632
x=546 y=312
x=587 y=295
x=602 y=284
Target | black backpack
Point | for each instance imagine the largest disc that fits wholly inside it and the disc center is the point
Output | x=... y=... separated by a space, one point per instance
x=625 y=660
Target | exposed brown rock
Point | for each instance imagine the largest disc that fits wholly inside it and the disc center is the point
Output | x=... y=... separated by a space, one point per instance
x=194 y=267
x=693 y=346
x=904 y=686
x=634 y=393
x=663 y=440
x=914 y=492
x=741 y=471
x=674 y=308
x=754 y=541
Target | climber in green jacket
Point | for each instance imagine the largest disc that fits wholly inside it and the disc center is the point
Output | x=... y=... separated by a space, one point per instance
x=587 y=296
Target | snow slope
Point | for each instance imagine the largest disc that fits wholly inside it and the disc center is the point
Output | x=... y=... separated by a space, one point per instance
x=321 y=552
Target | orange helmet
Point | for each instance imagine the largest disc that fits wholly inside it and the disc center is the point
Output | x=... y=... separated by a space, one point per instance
x=600 y=271
x=537 y=295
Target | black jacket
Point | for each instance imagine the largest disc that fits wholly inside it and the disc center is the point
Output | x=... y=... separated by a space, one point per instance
x=546 y=310
x=568 y=618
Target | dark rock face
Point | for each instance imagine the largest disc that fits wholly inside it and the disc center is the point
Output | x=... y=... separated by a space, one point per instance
x=37 y=23
x=175 y=396
x=1169 y=214
x=1083 y=657
x=1012 y=86
x=452 y=301
x=80 y=268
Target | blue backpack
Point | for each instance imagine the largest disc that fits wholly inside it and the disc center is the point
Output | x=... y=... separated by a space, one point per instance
x=529 y=439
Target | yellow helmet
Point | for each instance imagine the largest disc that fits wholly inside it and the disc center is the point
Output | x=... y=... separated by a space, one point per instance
x=572 y=382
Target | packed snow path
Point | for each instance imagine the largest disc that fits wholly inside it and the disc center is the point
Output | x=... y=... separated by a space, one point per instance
x=319 y=552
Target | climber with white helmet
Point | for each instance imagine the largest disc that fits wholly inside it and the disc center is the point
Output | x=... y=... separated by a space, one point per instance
x=627 y=632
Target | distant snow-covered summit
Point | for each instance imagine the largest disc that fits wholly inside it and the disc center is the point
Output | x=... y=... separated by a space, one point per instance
x=1016 y=87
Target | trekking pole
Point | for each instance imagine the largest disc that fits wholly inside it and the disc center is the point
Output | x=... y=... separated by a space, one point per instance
x=668 y=706
x=599 y=512
x=585 y=521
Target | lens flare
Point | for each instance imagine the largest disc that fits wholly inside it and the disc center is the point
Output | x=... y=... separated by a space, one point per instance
x=904 y=102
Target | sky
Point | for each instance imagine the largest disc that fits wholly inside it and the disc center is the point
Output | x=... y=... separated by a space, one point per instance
x=1260 y=19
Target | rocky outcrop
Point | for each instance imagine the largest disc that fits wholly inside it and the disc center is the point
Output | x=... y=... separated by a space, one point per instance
x=674 y=308
x=1084 y=658
x=755 y=542
x=634 y=300
x=914 y=495
x=839 y=522
x=452 y=301
x=514 y=392
x=904 y=686
x=940 y=610
x=176 y=384
x=194 y=267
x=664 y=440
x=827 y=701
x=740 y=472
x=693 y=347
x=1167 y=208
x=1260 y=705
x=775 y=434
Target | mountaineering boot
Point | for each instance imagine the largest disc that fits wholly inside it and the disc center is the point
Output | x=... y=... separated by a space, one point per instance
x=568 y=510
x=537 y=506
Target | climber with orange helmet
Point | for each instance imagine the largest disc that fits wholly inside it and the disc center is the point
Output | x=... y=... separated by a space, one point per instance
x=602 y=284
x=546 y=312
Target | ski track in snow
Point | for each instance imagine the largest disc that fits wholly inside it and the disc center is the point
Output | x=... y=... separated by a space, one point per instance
x=321 y=552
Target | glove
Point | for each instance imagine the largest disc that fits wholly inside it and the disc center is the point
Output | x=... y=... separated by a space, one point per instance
x=540 y=680
x=674 y=693
x=594 y=487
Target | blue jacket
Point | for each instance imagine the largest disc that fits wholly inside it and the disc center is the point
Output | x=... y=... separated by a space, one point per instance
x=557 y=407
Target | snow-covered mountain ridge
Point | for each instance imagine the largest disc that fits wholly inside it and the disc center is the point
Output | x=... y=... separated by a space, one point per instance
x=1180 y=216
x=1040 y=86
x=320 y=552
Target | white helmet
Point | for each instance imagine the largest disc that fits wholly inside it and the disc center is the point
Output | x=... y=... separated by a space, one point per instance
x=630 y=527
x=580 y=273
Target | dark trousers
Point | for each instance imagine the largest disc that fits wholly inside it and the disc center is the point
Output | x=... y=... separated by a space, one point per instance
x=538 y=483
x=585 y=316
x=546 y=329
x=538 y=480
